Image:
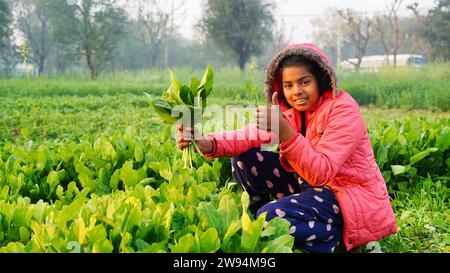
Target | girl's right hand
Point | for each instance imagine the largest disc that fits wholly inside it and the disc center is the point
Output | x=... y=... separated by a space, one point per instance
x=185 y=137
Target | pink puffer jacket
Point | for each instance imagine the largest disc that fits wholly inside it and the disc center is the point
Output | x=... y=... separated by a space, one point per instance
x=335 y=152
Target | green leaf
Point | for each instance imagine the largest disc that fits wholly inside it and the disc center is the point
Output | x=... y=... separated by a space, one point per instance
x=164 y=110
x=185 y=95
x=24 y=234
x=114 y=181
x=53 y=178
x=13 y=247
x=80 y=230
x=399 y=169
x=97 y=233
x=251 y=231
x=144 y=247
x=210 y=217
x=184 y=245
x=102 y=246
x=129 y=176
x=382 y=155
x=104 y=147
x=165 y=170
x=138 y=153
x=210 y=241
x=233 y=228
x=162 y=219
x=194 y=86
x=421 y=155
x=229 y=209
x=282 y=244
x=174 y=88
x=206 y=83
x=245 y=200
x=276 y=227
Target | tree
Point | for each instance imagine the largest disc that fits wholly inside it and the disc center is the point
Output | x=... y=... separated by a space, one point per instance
x=171 y=37
x=152 y=31
x=6 y=48
x=359 y=33
x=5 y=20
x=329 y=30
x=391 y=17
x=437 y=30
x=91 y=27
x=34 y=24
x=238 y=26
x=419 y=42
x=281 y=38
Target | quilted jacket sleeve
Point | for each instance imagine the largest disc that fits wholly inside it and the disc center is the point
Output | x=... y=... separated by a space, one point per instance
x=233 y=143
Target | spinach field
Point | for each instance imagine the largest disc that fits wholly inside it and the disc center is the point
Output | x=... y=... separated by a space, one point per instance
x=87 y=166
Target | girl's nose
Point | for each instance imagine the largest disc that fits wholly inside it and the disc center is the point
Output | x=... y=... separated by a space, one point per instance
x=297 y=89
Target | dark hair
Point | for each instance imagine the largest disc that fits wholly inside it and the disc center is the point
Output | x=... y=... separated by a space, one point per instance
x=322 y=77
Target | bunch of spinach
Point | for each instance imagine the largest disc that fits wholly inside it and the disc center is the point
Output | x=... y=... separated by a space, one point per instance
x=193 y=96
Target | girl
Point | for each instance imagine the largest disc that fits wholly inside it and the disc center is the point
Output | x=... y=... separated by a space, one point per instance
x=324 y=180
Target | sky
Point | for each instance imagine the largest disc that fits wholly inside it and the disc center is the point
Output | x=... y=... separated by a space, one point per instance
x=296 y=14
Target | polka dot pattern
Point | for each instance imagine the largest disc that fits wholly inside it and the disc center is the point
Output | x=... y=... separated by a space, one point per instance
x=276 y=172
x=240 y=165
x=292 y=229
x=318 y=198
x=286 y=195
x=260 y=157
x=335 y=209
x=280 y=213
x=254 y=171
x=291 y=189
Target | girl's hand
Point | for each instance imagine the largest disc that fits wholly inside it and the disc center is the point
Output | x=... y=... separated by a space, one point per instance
x=186 y=135
x=264 y=120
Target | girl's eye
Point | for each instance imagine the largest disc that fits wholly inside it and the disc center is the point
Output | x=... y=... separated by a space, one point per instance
x=288 y=86
x=304 y=83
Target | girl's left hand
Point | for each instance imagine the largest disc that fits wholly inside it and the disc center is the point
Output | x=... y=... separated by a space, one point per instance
x=277 y=124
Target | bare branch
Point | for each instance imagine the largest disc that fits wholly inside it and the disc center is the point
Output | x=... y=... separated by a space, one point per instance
x=359 y=33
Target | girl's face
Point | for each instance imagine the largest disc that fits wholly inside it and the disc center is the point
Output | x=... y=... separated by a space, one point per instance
x=300 y=87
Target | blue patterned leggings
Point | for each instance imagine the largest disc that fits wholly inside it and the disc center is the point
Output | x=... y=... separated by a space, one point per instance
x=314 y=213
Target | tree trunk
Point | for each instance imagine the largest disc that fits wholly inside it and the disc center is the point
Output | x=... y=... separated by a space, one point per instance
x=41 y=65
x=242 y=61
x=395 y=59
x=92 y=70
